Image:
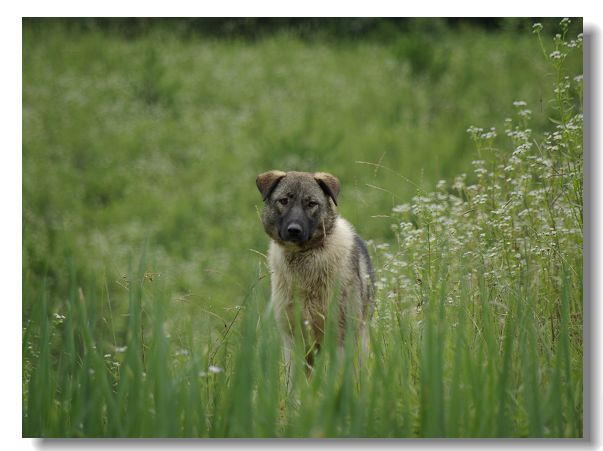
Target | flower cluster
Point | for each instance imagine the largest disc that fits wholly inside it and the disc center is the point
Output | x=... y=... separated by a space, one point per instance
x=520 y=218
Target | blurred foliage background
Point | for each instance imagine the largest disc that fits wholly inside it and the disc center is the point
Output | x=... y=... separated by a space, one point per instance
x=153 y=130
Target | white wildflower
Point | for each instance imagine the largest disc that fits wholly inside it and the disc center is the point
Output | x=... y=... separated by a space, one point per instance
x=401 y=208
x=557 y=55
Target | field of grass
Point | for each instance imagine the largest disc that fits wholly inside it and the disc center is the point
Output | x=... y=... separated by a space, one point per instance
x=144 y=281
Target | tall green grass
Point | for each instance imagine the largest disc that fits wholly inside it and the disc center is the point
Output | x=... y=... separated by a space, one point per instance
x=477 y=330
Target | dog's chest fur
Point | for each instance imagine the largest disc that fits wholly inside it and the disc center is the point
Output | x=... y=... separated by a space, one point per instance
x=314 y=272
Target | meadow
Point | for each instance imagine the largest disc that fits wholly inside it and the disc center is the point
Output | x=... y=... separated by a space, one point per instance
x=145 y=282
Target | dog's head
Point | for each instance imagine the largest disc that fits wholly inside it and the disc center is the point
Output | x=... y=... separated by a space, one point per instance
x=299 y=207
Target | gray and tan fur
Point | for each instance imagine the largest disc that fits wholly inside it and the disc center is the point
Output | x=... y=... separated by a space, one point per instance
x=313 y=252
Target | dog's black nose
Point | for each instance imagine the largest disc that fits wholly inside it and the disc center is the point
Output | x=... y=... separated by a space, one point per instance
x=294 y=231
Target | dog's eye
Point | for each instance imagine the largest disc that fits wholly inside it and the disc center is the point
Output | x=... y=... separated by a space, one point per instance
x=312 y=204
x=283 y=201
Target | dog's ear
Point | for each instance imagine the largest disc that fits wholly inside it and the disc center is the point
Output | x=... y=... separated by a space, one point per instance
x=329 y=184
x=267 y=181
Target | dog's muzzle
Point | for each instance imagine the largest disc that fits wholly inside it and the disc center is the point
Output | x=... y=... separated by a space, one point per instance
x=294 y=232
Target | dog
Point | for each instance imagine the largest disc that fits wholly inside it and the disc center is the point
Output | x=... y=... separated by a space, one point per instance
x=314 y=255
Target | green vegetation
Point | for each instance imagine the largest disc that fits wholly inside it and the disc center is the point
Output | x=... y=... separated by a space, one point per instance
x=144 y=284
